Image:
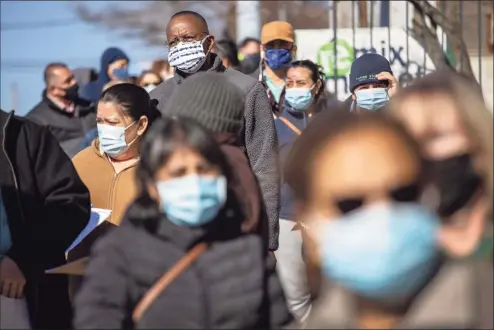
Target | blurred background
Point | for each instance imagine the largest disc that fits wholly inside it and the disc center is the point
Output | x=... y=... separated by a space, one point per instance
x=416 y=36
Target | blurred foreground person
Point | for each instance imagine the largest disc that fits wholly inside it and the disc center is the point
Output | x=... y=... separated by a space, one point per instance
x=227 y=51
x=108 y=166
x=67 y=116
x=188 y=30
x=304 y=84
x=447 y=115
x=149 y=80
x=379 y=251
x=372 y=83
x=114 y=66
x=43 y=208
x=185 y=211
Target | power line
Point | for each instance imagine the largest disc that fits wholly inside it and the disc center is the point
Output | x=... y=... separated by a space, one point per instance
x=38 y=25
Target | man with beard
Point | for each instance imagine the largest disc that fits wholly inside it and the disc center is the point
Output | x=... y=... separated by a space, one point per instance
x=67 y=116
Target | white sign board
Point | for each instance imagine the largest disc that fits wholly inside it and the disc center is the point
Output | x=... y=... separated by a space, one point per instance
x=319 y=46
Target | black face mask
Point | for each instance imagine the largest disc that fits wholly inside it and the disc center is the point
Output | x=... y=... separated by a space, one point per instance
x=250 y=63
x=457 y=182
x=71 y=93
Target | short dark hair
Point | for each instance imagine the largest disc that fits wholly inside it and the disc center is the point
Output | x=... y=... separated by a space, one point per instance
x=133 y=100
x=248 y=40
x=191 y=13
x=49 y=75
x=227 y=49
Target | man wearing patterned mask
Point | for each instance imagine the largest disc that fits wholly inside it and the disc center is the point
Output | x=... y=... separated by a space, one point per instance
x=371 y=82
x=190 y=45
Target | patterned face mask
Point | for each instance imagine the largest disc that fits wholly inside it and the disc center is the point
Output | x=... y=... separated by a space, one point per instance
x=187 y=57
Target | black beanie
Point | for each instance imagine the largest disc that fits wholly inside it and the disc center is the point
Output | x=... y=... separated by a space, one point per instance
x=365 y=68
x=210 y=99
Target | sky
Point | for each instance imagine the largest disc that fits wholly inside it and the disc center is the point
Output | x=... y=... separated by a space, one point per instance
x=25 y=52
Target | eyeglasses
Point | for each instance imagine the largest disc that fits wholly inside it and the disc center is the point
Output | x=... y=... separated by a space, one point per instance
x=407 y=193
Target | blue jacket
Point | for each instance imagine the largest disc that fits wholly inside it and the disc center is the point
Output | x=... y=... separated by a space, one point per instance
x=92 y=91
x=286 y=139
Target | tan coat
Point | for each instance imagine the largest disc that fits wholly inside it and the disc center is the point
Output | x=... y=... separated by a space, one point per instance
x=107 y=189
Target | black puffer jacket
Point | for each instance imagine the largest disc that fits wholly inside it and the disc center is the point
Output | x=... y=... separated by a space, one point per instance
x=231 y=285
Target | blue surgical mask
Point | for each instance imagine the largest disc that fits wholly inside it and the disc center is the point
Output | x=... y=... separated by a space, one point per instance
x=192 y=200
x=385 y=252
x=112 y=139
x=278 y=58
x=121 y=73
x=299 y=98
x=372 y=99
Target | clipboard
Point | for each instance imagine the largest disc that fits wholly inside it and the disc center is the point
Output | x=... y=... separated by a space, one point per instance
x=98 y=216
x=76 y=267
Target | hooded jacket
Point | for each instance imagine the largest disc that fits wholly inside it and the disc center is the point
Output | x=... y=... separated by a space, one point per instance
x=259 y=136
x=92 y=91
x=47 y=206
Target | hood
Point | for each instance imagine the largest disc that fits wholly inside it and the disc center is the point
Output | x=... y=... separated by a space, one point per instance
x=109 y=56
x=84 y=76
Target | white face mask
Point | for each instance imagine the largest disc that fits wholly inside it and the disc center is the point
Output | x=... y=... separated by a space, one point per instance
x=188 y=57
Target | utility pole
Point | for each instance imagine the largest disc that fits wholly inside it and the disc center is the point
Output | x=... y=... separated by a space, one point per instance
x=362 y=6
x=14 y=96
x=330 y=14
x=248 y=19
x=282 y=14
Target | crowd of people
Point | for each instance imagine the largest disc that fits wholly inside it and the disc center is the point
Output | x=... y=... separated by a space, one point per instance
x=243 y=195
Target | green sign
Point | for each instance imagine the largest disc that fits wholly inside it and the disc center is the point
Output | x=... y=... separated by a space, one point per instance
x=345 y=55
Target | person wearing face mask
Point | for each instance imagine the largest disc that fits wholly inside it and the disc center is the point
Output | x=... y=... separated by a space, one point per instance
x=190 y=45
x=447 y=115
x=114 y=65
x=185 y=211
x=108 y=166
x=304 y=85
x=67 y=116
x=375 y=253
x=372 y=83
x=277 y=52
x=249 y=55
x=149 y=80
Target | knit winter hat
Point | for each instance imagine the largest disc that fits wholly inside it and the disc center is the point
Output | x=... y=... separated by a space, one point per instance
x=210 y=99
x=365 y=68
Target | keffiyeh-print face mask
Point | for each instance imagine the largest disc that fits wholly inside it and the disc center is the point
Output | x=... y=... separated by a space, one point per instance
x=187 y=57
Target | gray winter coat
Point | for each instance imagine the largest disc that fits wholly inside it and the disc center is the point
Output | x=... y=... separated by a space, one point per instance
x=260 y=140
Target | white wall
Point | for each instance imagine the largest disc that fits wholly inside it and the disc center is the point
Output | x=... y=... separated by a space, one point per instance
x=487 y=77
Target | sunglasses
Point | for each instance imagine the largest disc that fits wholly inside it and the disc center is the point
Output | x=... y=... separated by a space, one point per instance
x=407 y=193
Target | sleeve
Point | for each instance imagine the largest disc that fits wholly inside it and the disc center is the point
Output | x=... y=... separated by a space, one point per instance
x=102 y=302
x=66 y=203
x=262 y=149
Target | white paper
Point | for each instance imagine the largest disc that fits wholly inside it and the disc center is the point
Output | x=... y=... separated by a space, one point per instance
x=98 y=216
x=14 y=313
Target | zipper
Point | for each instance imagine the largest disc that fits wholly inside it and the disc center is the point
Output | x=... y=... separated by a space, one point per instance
x=21 y=212
x=113 y=183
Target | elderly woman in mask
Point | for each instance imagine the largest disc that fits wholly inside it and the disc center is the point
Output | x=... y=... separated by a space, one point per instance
x=375 y=254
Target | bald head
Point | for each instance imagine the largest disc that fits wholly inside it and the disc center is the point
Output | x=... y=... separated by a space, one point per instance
x=52 y=71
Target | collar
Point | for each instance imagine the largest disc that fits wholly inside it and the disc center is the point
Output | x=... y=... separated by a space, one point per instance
x=217 y=66
x=56 y=105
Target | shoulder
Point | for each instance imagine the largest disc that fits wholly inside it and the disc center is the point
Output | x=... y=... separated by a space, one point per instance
x=244 y=82
x=37 y=111
x=162 y=93
x=84 y=157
